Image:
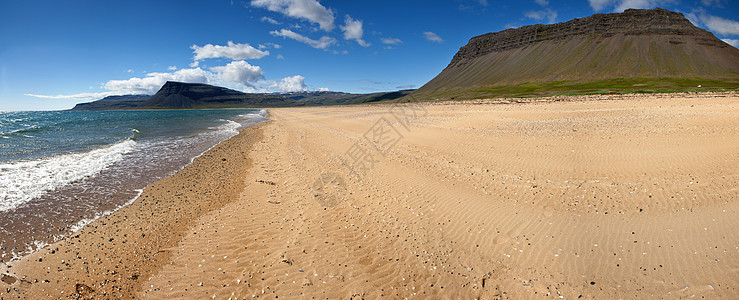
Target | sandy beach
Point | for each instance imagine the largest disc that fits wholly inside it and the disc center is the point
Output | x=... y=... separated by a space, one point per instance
x=613 y=196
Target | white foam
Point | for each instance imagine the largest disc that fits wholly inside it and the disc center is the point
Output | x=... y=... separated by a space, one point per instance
x=254 y=118
x=18 y=130
x=230 y=126
x=21 y=182
x=82 y=223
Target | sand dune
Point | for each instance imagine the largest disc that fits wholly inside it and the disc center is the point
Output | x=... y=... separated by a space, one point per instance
x=593 y=197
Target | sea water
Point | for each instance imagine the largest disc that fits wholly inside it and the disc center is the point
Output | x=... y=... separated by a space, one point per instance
x=60 y=170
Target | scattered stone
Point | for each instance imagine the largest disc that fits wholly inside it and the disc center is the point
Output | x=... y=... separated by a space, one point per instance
x=8 y=279
x=83 y=290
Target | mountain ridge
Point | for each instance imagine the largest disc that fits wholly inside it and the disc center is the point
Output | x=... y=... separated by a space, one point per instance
x=651 y=22
x=114 y=102
x=654 y=48
x=181 y=95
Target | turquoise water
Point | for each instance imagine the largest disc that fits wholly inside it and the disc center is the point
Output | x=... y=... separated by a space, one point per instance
x=60 y=170
x=33 y=135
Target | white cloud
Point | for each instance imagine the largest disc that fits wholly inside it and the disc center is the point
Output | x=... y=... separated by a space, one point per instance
x=269 y=45
x=80 y=96
x=290 y=84
x=353 y=31
x=621 y=5
x=547 y=14
x=733 y=42
x=153 y=81
x=237 y=74
x=323 y=43
x=720 y=25
x=433 y=37
x=718 y=3
x=279 y=56
x=129 y=71
x=147 y=85
x=692 y=18
x=542 y=2
x=270 y=20
x=309 y=10
x=391 y=41
x=599 y=5
x=240 y=73
x=626 y=4
x=483 y=2
x=232 y=51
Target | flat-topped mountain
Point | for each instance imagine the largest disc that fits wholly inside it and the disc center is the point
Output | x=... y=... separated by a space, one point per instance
x=191 y=95
x=180 y=95
x=653 y=48
x=114 y=102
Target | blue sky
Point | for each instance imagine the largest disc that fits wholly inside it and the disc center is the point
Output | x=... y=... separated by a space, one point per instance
x=54 y=54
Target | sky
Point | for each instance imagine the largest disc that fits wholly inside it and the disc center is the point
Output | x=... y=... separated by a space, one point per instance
x=54 y=54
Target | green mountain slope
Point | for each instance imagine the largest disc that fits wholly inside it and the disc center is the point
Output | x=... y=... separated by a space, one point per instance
x=634 y=50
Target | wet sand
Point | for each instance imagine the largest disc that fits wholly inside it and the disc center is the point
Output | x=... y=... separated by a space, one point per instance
x=109 y=258
x=592 y=197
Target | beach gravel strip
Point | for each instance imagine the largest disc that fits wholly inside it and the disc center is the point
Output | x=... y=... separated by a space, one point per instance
x=109 y=256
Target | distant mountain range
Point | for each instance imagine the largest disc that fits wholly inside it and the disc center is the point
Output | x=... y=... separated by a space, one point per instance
x=639 y=50
x=643 y=49
x=113 y=103
x=180 y=95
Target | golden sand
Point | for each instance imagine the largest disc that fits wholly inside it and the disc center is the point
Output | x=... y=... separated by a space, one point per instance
x=593 y=197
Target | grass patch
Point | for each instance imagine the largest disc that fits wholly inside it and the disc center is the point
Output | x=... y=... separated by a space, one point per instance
x=617 y=85
x=656 y=91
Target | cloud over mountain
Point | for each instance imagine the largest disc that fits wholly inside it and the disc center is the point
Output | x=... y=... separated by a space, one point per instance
x=290 y=84
x=153 y=81
x=239 y=73
x=539 y=15
x=720 y=25
x=231 y=50
x=621 y=5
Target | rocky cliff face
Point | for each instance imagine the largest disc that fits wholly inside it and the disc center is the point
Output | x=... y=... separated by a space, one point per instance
x=631 y=22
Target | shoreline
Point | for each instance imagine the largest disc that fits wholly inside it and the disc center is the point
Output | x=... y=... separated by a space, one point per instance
x=591 y=199
x=137 y=235
x=96 y=180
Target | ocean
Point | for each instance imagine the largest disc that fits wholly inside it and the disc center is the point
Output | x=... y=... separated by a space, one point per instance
x=60 y=170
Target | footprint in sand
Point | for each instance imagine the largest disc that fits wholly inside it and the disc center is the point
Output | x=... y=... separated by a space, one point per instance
x=329 y=189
